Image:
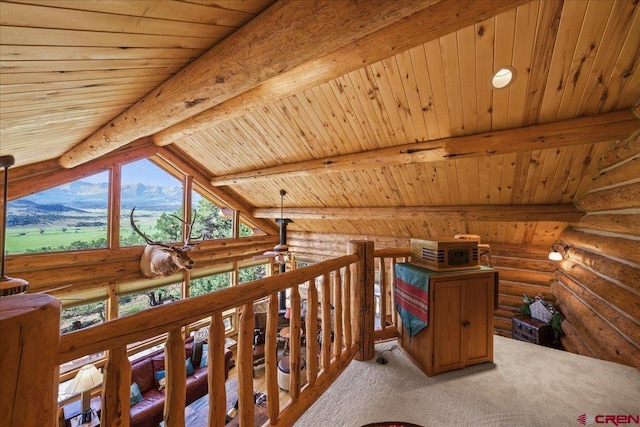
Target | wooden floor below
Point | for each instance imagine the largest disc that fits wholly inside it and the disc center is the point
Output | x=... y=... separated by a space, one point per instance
x=196 y=414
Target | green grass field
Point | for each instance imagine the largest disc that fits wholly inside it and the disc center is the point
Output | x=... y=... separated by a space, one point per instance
x=21 y=239
x=18 y=240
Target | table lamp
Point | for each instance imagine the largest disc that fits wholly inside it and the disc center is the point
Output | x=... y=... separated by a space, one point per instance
x=87 y=378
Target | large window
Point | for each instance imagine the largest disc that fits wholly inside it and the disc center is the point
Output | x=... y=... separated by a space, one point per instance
x=68 y=217
x=157 y=198
x=210 y=219
x=249 y=274
x=205 y=285
x=138 y=301
x=82 y=316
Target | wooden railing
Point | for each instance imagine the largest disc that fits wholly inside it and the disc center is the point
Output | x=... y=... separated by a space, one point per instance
x=386 y=260
x=345 y=282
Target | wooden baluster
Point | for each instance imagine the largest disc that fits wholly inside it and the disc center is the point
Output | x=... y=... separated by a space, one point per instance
x=294 y=345
x=116 y=389
x=312 y=332
x=392 y=274
x=216 y=380
x=346 y=298
x=176 y=379
x=326 y=321
x=383 y=294
x=337 y=314
x=245 y=365
x=271 y=360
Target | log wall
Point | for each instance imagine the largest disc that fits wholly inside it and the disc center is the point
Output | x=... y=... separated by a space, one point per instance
x=597 y=285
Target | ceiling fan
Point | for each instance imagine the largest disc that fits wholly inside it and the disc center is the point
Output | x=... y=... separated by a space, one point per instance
x=280 y=252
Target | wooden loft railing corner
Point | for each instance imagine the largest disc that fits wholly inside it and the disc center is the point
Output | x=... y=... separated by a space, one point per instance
x=30 y=326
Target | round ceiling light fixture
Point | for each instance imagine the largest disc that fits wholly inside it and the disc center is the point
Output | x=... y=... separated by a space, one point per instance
x=503 y=78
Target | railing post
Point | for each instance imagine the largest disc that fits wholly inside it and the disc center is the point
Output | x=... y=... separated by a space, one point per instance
x=30 y=326
x=116 y=406
x=362 y=301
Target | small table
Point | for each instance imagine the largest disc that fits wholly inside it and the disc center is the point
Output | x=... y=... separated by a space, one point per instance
x=72 y=413
x=260 y=416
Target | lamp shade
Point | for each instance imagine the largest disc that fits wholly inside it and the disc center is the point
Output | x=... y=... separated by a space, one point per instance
x=555 y=256
x=87 y=378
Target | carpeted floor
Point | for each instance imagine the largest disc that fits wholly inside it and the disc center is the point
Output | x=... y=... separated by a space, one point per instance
x=527 y=385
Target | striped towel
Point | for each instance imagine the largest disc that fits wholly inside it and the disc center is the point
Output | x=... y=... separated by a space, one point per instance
x=411 y=296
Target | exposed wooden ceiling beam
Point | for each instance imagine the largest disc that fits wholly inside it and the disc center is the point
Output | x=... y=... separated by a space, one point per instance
x=586 y=130
x=434 y=21
x=283 y=37
x=534 y=213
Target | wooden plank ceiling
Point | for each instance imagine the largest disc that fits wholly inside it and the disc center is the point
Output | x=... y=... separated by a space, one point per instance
x=377 y=118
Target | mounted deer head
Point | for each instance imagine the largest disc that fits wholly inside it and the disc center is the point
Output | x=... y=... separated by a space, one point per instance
x=159 y=259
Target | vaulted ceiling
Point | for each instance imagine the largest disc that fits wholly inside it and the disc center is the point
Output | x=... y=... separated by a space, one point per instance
x=376 y=117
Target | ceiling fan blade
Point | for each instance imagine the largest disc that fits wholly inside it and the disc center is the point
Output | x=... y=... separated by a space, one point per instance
x=47 y=291
x=268 y=254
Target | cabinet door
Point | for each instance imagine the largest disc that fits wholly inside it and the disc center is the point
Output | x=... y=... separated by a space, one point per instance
x=477 y=320
x=447 y=339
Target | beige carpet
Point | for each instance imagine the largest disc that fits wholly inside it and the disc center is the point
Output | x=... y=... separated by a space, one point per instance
x=527 y=385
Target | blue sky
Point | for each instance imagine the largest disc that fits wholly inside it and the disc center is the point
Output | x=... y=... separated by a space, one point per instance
x=142 y=171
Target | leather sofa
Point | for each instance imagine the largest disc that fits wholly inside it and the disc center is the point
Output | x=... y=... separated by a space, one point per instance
x=148 y=412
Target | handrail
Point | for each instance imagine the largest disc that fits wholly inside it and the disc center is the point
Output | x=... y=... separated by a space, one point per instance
x=156 y=320
x=114 y=336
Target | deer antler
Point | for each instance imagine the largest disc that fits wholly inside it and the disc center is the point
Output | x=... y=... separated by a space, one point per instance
x=187 y=241
x=144 y=236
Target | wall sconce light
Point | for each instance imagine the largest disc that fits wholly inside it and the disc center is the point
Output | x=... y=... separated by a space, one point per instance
x=87 y=378
x=557 y=251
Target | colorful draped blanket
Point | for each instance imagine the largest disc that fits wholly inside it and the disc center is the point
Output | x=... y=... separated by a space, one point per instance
x=411 y=296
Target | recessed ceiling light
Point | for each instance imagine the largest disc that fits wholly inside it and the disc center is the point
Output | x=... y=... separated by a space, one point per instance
x=503 y=78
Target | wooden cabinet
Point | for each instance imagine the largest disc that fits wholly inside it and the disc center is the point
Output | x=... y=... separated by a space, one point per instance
x=460 y=329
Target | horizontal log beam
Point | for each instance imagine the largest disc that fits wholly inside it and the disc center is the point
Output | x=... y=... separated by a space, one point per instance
x=598 y=334
x=514 y=250
x=622 y=223
x=586 y=130
x=573 y=342
x=621 y=197
x=619 y=272
x=605 y=325
x=63 y=274
x=283 y=37
x=625 y=318
x=434 y=20
x=609 y=246
x=554 y=213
